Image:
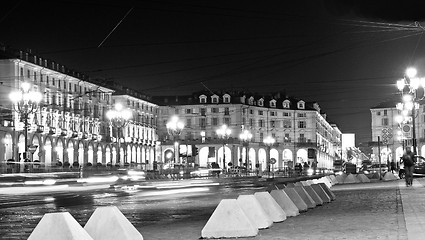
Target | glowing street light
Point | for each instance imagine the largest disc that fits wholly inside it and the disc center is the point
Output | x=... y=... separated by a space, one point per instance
x=245 y=137
x=26 y=102
x=269 y=141
x=119 y=118
x=175 y=127
x=224 y=133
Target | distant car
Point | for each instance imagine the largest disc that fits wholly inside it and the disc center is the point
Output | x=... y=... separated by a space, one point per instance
x=205 y=172
x=375 y=168
x=419 y=165
x=238 y=169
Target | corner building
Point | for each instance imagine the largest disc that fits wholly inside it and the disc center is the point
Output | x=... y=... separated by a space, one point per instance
x=70 y=126
x=296 y=125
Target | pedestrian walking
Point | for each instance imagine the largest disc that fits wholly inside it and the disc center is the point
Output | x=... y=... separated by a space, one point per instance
x=392 y=166
x=409 y=165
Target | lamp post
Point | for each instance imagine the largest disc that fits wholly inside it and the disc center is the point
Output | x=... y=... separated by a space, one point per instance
x=26 y=102
x=174 y=128
x=245 y=137
x=224 y=133
x=408 y=87
x=268 y=141
x=119 y=118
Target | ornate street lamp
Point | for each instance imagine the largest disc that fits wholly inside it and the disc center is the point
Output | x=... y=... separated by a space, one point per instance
x=119 y=118
x=245 y=137
x=26 y=102
x=175 y=127
x=224 y=133
x=268 y=141
x=408 y=87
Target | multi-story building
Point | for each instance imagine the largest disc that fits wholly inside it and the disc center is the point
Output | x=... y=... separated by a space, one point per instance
x=297 y=126
x=70 y=125
x=393 y=136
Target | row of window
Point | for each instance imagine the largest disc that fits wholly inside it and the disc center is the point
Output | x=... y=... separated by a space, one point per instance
x=38 y=77
x=260 y=102
x=286 y=138
x=214 y=121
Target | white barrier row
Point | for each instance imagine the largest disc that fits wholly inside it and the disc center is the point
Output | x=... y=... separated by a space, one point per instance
x=106 y=223
x=246 y=215
x=359 y=178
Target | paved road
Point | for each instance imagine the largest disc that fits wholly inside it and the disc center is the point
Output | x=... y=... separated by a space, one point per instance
x=361 y=211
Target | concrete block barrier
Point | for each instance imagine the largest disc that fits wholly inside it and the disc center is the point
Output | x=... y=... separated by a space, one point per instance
x=330 y=180
x=313 y=195
x=304 y=183
x=296 y=199
x=61 y=225
x=389 y=176
x=326 y=181
x=333 y=179
x=310 y=182
x=270 y=206
x=305 y=196
x=298 y=184
x=285 y=203
x=341 y=178
x=328 y=191
x=228 y=221
x=108 y=223
x=363 y=178
x=290 y=185
x=322 y=194
x=351 y=178
x=253 y=210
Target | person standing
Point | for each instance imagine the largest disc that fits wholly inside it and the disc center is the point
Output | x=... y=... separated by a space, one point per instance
x=409 y=165
x=392 y=166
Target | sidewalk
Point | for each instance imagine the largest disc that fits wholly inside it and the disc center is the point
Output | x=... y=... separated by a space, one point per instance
x=414 y=208
x=376 y=210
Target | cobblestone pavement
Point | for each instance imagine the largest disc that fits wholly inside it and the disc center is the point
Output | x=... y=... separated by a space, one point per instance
x=360 y=211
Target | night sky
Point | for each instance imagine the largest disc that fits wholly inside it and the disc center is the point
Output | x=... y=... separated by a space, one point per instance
x=346 y=55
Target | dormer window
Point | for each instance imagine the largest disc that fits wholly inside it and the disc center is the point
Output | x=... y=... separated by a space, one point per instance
x=273 y=103
x=260 y=102
x=214 y=99
x=285 y=104
x=203 y=99
x=301 y=105
x=226 y=98
x=251 y=101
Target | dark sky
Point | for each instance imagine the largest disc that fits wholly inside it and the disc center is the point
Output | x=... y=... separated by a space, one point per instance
x=344 y=54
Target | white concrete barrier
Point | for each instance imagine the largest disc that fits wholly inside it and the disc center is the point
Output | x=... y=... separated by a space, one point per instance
x=313 y=195
x=310 y=182
x=290 y=185
x=363 y=178
x=326 y=181
x=351 y=178
x=341 y=178
x=296 y=199
x=328 y=191
x=253 y=210
x=330 y=180
x=108 y=223
x=304 y=195
x=333 y=178
x=298 y=184
x=304 y=183
x=322 y=194
x=228 y=221
x=61 y=225
x=270 y=206
x=285 y=203
x=389 y=176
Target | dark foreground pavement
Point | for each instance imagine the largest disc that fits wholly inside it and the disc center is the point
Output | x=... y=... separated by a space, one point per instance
x=379 y=210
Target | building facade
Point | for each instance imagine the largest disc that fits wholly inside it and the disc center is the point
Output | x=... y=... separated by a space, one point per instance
x=393 y=136
x=296 y=125
x=70 y=127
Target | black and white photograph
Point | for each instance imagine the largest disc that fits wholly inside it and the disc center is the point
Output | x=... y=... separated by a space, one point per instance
x=184 y=119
